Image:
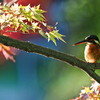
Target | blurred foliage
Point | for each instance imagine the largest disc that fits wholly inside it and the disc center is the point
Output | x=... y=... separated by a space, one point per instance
x=90 y=93
x=84 y=15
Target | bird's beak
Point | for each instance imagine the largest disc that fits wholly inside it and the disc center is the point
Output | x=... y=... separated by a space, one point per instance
x=81 y=42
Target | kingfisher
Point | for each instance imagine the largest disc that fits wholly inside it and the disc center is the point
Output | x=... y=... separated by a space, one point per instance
x=92 y=48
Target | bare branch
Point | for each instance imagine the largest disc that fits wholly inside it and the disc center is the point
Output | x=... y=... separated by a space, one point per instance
x=29 y=47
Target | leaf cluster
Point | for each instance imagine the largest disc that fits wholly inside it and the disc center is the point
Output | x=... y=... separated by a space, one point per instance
x=27 y=20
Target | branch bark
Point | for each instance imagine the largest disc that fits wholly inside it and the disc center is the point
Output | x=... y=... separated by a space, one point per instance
x=29 y=47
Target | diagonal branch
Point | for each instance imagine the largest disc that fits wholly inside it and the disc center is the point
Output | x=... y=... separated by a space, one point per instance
x=29 y=47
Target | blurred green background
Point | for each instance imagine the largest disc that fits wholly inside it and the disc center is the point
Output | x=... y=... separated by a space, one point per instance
x=35 y=77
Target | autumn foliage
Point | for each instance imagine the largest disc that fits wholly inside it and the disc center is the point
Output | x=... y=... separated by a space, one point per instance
x=25 y=20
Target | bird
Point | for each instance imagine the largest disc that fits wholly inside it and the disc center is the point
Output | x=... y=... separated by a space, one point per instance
x=92 y=48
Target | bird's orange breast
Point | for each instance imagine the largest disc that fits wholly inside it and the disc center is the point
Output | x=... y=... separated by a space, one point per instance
x=92 y=53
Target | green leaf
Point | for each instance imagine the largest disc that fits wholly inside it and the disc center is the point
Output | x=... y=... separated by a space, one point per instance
x=52 y=38
x=57 y=35
x=43 y=34
x=38 y=17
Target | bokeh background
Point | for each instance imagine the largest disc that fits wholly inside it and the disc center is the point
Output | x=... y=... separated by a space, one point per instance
x=35 y=77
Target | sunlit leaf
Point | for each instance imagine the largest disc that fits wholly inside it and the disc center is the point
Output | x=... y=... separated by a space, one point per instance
x=52 y=38
x=57 y=35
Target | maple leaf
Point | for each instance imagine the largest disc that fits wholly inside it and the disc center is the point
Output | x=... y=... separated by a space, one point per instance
x=7 y=52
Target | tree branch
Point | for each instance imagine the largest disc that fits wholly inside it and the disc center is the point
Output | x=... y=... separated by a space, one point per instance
x=29 y=47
